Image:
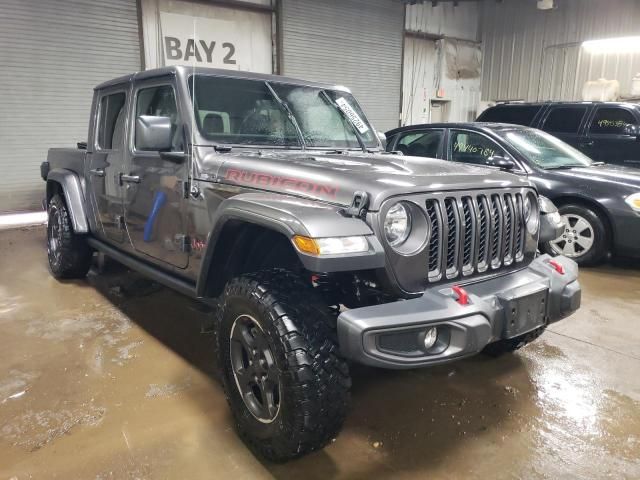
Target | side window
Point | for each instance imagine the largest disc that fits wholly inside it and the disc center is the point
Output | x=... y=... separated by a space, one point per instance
x=160 y=101
x=611 y=121
x=420 y=144
x=470 y=147
x=111 y=119
x=564 y=119
x=516 y=114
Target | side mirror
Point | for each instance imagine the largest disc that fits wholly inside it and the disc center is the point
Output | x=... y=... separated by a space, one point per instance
x=501 y=162
x=153 y=133
x=383 y=139
x=632 y=130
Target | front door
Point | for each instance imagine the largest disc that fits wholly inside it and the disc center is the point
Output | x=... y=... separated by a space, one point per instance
x=106 y=160
x=154 y=185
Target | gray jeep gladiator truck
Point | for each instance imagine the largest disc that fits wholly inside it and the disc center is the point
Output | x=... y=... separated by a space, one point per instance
x=273 y=199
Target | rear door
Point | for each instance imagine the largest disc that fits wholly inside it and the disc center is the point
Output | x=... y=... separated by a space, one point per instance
x=106 y=159
x=421 y=143
x=155 y=207
x=566 y=122
x=612 y=136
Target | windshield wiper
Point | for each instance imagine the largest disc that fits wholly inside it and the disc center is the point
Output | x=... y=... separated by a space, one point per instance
x=290 y=114
x=564 y=167
x=327 y=98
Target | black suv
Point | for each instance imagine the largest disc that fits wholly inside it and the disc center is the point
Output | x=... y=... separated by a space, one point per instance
x=605 y=131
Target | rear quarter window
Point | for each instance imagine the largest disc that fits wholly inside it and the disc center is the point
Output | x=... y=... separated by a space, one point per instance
x=515 y=114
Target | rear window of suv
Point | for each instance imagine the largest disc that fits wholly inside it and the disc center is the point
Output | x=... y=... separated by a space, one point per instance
x=515 y=114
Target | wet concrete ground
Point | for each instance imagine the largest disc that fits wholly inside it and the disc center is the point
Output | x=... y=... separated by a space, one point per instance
x=111 y=378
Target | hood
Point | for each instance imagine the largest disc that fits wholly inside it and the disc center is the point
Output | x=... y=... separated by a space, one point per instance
x=335 y=177
x=607 y=176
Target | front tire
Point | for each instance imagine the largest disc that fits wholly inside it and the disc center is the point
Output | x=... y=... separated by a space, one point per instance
x=68 y=253
x=284 y=380
x=584 y=239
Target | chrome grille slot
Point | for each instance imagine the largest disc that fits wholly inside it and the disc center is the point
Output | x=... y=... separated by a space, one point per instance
x=496 y=230
x=520 y=226
x=434 y=251
x=484 y=230
x=469 y=237
x=509 y=229
x=453 y=237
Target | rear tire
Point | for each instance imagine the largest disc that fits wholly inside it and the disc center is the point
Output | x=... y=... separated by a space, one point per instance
x=585 y=238
x=68 y=253
x=284 y=380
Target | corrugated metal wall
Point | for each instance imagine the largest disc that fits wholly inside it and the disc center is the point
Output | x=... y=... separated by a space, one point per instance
x=532 y=54
x=356 y=43
x=52 y=55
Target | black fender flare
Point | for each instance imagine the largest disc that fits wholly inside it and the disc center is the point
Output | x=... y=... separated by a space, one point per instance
x=73 y=195
x=293 y=217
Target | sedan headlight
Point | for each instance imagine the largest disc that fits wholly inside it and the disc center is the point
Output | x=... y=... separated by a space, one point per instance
x=397 y=224
x=531 y=214
x=633 y=201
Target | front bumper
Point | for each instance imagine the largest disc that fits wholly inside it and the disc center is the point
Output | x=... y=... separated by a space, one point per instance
x=391 y=335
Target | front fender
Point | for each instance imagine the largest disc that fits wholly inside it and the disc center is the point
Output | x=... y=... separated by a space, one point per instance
x=74 y=198
x=291 y=216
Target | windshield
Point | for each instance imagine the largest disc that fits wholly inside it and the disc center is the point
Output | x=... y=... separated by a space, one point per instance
x=544 y=150
x=253 y=112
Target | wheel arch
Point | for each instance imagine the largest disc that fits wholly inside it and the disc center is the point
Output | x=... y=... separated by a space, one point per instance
x=67 y=183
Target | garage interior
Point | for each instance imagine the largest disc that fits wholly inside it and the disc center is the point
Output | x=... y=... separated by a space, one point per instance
x=115 y=376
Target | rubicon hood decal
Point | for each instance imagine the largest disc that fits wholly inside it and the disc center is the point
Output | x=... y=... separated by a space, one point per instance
x=265 y=180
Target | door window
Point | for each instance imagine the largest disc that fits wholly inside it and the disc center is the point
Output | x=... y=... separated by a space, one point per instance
x=471 y=147
x=160 y=101
x=564 y=120
x=612 y=121
x=111 y=120
x=421 y=144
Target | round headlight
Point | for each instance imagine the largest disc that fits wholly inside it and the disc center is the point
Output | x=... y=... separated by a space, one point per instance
x=397 y=224
x=531 y=214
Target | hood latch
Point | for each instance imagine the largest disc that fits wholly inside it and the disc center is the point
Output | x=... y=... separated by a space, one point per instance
x=358 y=207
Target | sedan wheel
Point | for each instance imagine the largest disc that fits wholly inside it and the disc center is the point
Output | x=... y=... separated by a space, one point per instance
x=577 y=239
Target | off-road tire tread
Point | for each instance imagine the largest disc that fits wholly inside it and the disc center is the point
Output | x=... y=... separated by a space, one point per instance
x=315 y=374
x=75 y=252
x=510 y=345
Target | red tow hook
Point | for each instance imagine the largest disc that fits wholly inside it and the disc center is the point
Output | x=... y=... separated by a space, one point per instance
x=557 y=267
x=461 y=293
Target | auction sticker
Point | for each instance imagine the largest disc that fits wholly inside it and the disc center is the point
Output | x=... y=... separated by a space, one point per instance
x=353 y=116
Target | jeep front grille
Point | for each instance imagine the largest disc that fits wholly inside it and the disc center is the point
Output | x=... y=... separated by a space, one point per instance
x=474 y=233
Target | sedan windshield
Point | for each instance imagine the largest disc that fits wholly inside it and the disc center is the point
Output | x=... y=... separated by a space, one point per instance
x=254 y=112
x=544 y=150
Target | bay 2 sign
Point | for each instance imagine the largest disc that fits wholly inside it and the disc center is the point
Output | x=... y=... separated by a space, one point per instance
x=214 y=42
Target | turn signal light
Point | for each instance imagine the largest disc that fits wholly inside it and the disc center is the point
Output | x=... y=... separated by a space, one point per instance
x=306 y=245
x=557 y=267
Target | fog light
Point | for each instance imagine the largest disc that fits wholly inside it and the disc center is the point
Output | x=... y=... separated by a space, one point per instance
x=430 y=338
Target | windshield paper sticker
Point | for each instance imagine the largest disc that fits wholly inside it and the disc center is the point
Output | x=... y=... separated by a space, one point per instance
x=353 y=116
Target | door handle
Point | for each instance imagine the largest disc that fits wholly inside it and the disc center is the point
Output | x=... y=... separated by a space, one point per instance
x=129 y=178
x=587 y=144
x=97 y=172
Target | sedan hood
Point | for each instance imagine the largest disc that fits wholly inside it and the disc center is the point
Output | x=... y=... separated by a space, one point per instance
x=335 y=177
x=603 y=174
